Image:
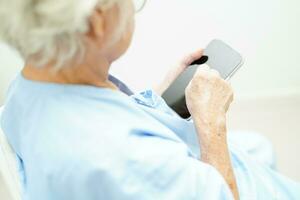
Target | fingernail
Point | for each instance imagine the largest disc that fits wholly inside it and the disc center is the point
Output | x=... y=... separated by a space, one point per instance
x=200 y=61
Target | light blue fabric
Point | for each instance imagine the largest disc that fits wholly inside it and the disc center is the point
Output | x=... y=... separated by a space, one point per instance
x=86 y=143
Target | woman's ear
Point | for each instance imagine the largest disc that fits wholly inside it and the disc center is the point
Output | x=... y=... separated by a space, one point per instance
x=97 y=28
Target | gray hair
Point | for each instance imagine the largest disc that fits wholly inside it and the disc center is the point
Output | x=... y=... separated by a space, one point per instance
x=47 y=29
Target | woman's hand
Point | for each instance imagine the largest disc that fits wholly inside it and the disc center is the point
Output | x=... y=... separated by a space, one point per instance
x=175 y=71
x=208 y=98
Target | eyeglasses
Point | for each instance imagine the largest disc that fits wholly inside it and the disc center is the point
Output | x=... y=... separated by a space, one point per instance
x=139 y=5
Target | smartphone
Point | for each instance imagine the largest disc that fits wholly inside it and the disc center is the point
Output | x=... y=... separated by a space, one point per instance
x=219 y=56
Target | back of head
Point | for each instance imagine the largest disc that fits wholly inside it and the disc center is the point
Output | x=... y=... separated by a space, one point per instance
x=47 y=29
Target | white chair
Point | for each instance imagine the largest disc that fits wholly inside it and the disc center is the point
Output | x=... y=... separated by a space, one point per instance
x=8 y=169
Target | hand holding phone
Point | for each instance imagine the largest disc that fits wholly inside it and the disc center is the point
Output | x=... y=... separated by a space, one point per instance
x=218 y=56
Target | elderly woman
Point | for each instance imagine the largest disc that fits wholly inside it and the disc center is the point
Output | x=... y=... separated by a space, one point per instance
x=77 y=136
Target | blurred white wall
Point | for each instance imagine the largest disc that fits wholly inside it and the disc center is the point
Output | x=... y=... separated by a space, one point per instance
x=265 y=32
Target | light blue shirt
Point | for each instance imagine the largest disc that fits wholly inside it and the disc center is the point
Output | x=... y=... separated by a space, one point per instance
x=79 y=142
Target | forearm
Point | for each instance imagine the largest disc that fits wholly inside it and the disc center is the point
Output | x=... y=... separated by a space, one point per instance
x=214 y=150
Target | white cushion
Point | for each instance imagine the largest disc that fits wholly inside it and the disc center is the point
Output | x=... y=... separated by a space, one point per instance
x=9 y=167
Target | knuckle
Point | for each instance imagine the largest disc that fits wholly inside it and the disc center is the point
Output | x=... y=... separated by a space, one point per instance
x=213 y=78
x=203 y=68
x=215 y=72
x=201 y=74
x=225 y=84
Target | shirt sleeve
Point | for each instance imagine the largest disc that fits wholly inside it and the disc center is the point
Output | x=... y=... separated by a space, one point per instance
x=147 y=167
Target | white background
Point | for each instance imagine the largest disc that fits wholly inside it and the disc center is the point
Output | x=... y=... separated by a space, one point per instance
x=265 y=32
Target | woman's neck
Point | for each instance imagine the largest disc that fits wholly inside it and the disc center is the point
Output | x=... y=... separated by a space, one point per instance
x=86 y=73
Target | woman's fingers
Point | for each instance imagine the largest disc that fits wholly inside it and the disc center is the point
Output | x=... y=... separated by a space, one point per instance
x=203 y=68
x=187 y=60
x=207 y=71
x=215 y=72
x=180 y=67
x=196 y=55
